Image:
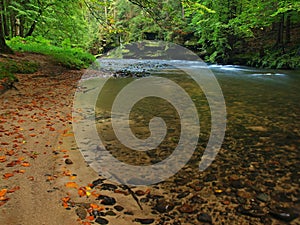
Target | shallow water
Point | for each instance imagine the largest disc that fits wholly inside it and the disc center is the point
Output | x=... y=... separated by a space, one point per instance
x=259 y=154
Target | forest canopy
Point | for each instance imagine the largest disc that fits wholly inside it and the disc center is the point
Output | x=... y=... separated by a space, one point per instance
x=258 y=33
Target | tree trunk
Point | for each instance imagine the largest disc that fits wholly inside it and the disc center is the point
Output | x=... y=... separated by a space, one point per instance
x=280 y=31
x=4 y=48
x=5 y=19
x=288 y=29
x=22 y=27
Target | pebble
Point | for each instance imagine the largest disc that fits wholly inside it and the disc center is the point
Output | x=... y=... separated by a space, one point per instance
x=236 y=184
x=119 y=208
x=251 y=212
x=101 y=220
x=97 y=182
x=81 y=213
x=139 y=193
x=68 y=161
x=204 y=217
x=163 y=206
x=263 y=197
x=244 y=194
x=186 y=208
x=144 y=221
x=284 y=215
x=110 y=213
x=183 y=194
x=106 y=200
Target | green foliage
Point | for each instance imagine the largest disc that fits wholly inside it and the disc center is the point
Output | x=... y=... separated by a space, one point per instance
x=73 y=58
x=276 y=60
x=9 y=67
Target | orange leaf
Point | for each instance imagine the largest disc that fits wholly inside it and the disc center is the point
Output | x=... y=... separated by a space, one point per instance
x=97 y=207
x=91 y=218
x=7 y=175
x=86 y=223
x=95 y=194
x=71 y=185
x=10 y=153
x=2 y=159
x=81 y=192
x=32 y=135
x=4 y=199
x=3 y=192
x=19 y=171
x=13 y=189
x=25 y=164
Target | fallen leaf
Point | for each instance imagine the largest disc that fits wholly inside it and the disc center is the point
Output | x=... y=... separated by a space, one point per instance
x=71 y=185
x=10 y=153
x=95 y=194
x=3 y=192
x=16 y=188
x=13 y=163
x=25 y=164
x=7 y=175
x=31 y=178
x=2 y=159
x=81 y=192
x=19 y=171
x=91 y=218
x=97 y=207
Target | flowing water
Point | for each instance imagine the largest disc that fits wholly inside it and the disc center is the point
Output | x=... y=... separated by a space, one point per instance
x=255 y=175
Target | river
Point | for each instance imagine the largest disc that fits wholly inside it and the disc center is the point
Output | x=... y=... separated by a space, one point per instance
x=254 y=178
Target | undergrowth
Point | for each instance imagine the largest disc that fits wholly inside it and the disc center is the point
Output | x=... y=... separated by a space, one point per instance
x=72 y=58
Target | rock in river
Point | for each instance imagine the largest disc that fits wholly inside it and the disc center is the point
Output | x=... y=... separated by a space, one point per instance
x=144 y=221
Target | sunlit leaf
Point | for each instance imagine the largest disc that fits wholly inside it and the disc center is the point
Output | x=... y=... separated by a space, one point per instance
x=71 y=185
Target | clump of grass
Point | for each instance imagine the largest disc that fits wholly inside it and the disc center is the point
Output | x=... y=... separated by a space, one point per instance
x=72 y=58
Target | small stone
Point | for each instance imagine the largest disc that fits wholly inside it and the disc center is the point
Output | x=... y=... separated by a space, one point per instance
x=251 y=212
x=237 y=184
x=163 y=206
x=186 y=208
x=139 y=193
x=258 y=128
x=284 y=214
x=183 y=194
x=68 y=161
x=110 y=213
x=101 y=220
x=210 y=177
x=144 y=221
x=130 y=213
x=106 y=200
x=119 y=208
x=204 y=217
x=244 y=194
x=81 y=213
x=234 y=177
x=263 y=197
x=97 y=182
